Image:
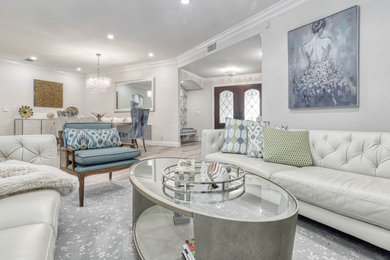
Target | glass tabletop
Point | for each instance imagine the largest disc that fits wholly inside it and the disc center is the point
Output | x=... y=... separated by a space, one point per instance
x=258 y=200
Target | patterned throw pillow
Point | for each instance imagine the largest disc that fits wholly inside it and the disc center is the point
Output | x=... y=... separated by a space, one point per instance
x=287 y=147
x=235 y=137
x=80 y=139
x=256 y=139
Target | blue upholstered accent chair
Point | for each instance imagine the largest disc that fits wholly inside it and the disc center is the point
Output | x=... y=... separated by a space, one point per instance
x=89 y=161
x=139 y=121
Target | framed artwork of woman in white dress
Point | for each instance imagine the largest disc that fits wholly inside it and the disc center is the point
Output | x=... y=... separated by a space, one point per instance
x=323 y=62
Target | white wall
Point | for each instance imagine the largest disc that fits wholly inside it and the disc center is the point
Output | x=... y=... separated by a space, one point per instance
x=17 y=89
x=164 y=120
x=200 y=103
x=373 y=113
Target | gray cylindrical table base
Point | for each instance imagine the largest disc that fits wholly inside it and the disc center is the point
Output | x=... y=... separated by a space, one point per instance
x=224 y=239
x=217 y=238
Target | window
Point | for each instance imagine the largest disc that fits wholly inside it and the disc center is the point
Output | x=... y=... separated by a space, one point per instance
x=252 y=104
x=239 y=102
x=226 y=105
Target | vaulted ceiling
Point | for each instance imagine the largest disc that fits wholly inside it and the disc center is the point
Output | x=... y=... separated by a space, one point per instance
x=66 y=34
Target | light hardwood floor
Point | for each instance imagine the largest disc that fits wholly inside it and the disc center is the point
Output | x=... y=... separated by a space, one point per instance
x=188 y=150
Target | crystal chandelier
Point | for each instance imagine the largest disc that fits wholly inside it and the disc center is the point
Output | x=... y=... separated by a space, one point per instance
x=98 y=84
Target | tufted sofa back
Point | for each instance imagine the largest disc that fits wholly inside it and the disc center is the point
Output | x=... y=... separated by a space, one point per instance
x=361 y=152
x=37 y=149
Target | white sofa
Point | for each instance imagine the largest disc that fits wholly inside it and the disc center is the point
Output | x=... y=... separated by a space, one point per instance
x=347 y=188
x=28 y=221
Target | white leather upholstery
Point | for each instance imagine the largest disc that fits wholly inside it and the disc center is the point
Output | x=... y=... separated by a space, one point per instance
x=28 y=221
x=361 y=152
x=212 y=141
x=349 y=179
x=30 y=208
x=354 y=195
x=259 y=166
x=32 y=242
x=37 y=149
x=363 y=230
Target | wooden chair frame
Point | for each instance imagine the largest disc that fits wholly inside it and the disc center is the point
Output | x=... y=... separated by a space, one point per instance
x=81 y=176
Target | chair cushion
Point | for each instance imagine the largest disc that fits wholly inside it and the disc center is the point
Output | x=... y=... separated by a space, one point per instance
x=362 y=197
x=254 y=165
x=33 y=242
x=24 y=209
x=186 y=131
x=80 y=139
x=104 y=155
x=102 y=166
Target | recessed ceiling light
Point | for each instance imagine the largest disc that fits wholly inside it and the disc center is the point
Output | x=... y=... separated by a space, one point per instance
x=110 y=36
x=231 y=71
x=185 y=2
x=78 y=69
x=151 y=54
x=31 y=59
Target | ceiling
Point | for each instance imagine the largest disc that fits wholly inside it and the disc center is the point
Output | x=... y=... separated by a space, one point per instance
x=244 y=57
x=66 y=34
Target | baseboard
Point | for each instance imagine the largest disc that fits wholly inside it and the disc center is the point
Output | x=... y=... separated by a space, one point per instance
x=162 y=143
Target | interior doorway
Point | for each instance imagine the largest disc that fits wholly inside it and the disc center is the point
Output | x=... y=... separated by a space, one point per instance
x=239 y=102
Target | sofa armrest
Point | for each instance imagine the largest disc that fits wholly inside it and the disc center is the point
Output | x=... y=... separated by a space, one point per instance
x=212 y=141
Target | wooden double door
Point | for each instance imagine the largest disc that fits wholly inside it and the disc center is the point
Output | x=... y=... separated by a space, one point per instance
x=239 y=102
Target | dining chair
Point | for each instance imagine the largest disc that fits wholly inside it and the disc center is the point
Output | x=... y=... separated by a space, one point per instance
x=139 y=121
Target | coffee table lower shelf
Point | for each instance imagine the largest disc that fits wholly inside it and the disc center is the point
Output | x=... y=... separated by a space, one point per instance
x=156 y=237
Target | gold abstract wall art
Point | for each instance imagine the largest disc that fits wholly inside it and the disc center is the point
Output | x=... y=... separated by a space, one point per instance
x=48 y=93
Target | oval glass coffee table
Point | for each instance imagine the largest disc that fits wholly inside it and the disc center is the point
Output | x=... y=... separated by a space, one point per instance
x=256 y=221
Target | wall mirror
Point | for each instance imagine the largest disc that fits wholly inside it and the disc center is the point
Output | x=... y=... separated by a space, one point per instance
x=135 y=93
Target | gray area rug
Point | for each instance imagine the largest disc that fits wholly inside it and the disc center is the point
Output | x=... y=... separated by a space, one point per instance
x=102 y=230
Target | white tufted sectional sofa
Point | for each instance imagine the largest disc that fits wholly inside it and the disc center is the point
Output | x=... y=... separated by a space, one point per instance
x=348 y=188
x=28 y=221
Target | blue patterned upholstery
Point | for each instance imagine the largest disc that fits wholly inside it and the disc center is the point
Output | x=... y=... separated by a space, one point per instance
x=81 y=139
x=100 y=157
x=104 y=155
x=139 y=120
x=85 y=126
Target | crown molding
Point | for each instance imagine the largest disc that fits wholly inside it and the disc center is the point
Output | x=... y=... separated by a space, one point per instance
x=138 y=66
x=14 y=61
x=246 y=25
x=195 y=53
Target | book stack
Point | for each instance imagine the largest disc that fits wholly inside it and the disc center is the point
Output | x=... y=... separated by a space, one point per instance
x=188 y=250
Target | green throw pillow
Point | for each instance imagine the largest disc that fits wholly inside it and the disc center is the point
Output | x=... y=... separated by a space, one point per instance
x=287 y=147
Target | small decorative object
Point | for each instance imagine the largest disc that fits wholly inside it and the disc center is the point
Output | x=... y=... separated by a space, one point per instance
x=217 y=173
x=72 y=111
x=60 y=113
x=323 y=62
x=184 y=173
x=48 y=93
x=25 y=111
x=266 y=123
x=98 y=115
x=50 y=115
